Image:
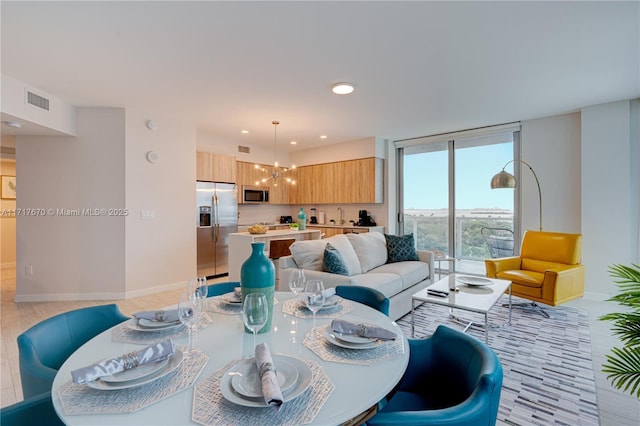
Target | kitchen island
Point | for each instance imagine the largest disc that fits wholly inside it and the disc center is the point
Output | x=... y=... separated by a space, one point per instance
x=240 y=245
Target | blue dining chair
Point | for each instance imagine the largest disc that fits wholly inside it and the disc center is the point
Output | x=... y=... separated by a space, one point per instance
x=452 y=379
x=43 y=348
x=365 y=295
x=37 y=410
x=221 y=288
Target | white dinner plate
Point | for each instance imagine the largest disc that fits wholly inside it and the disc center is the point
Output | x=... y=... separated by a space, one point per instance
x=246 y=381
x=231 y=298
x=143 y=322
x=474 y=281
x=134 y=325
x=332 y=337
x=136 y=373
x=329 y=303
x=174 y=362
x=302 y=384
x=350 y=338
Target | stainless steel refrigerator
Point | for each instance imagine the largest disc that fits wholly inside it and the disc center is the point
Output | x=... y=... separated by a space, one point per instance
x=216 y=218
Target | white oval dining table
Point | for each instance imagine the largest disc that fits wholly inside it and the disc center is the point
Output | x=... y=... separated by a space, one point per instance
x=357 y=387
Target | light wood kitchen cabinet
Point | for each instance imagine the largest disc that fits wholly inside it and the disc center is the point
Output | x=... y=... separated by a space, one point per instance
x=343 y=182
x=248 y=174
x=215 y=168
x=330 y=231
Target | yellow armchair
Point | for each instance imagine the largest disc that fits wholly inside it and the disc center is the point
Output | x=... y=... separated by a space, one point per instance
x=548 y=269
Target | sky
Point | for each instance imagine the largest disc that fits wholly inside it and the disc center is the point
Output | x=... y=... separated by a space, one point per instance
x=426 y=182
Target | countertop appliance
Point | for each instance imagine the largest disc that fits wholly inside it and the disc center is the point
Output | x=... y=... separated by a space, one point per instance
x=313 y=219
x=364 y=219
x=217 y=217
x=286 y=219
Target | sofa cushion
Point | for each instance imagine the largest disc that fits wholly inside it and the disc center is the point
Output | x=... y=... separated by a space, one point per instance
x=370 y=248
x=388 y=284
x=400 y=248
x=309 y=254
x=332 y=261
x=411 y=272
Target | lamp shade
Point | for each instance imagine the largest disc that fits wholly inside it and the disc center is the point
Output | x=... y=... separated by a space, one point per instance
x=503 y=180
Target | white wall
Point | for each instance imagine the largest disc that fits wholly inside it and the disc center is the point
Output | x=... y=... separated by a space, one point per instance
x=73 y=257
x=608 y=213
x=61 y=116
x=551 y=146
x=352 y=150
x=258 y=154
x=105 y=167
x=160 y=252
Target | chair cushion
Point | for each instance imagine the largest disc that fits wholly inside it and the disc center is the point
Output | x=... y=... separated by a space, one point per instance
x=400 y=248
x=308 y=254
x=370 y=248
x=332 y=261
x=527 y=278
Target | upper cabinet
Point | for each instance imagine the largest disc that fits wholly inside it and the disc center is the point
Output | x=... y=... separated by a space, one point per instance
x=344 y=182
x=354 y=181
x=215 y=168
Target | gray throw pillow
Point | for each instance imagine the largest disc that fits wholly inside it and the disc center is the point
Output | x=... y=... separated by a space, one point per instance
x=400 y=249
x=333 y=262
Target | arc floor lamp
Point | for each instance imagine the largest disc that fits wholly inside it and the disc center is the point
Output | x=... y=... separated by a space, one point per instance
x=507 y=180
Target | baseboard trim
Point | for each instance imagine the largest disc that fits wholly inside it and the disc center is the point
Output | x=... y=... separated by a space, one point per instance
x=71 y=297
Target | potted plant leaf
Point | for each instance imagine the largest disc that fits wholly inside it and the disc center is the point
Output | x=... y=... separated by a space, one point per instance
x=623 y=364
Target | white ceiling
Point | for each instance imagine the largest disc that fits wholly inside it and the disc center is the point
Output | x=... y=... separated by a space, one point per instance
x=419 y=68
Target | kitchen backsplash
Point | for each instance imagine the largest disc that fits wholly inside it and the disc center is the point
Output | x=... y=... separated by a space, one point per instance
x=255 y=213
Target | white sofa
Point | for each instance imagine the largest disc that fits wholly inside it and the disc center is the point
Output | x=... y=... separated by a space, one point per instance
x=365 y=256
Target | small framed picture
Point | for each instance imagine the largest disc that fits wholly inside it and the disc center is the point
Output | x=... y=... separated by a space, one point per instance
x=8 y=187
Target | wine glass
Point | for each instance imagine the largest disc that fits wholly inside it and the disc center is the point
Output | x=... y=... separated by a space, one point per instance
x=313 y=297
x=189 y=314
x=255 y=313
x=296 y=281
x=201 y=292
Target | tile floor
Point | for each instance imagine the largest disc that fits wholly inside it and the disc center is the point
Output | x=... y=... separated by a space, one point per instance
x=616 y=408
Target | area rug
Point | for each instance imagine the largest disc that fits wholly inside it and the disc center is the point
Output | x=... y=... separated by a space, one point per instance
x=548 y=371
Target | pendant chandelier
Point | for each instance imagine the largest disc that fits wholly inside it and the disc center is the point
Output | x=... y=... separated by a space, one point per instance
x=277 y=172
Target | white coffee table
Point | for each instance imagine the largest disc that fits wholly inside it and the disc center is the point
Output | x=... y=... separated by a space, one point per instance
x=473 y=298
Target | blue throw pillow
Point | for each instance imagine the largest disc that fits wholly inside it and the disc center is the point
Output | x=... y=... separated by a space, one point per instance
x=333 y=262
x=400 y=249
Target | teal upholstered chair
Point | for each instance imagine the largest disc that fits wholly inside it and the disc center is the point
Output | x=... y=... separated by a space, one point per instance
x=45 y=347
x=452 y=379
x=221 y=288
x=37 y=410
x=365 y=295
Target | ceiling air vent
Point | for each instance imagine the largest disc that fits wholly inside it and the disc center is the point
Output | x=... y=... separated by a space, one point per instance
x=244 y=149
x=37 y=100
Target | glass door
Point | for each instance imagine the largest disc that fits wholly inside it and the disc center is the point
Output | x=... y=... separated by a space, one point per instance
x=446 y=195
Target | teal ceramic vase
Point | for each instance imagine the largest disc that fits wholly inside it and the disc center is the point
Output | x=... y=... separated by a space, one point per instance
x=302 y=219
x=258 y=275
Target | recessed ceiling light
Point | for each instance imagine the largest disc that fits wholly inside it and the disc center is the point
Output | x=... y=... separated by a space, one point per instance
x=323 y=137
x=342 y=88
x=244 y=131
x=293 y=142
x=12 y=124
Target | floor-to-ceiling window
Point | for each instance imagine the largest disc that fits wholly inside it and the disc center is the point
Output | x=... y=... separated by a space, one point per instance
x=446 y=198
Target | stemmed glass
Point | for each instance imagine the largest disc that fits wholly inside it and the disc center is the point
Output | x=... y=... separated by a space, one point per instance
x=201 y=291
x=296 y=281
x=314 y=297
x=189 y=314
x=255 y=313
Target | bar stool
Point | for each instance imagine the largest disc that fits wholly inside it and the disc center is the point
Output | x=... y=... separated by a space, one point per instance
x=278 y=249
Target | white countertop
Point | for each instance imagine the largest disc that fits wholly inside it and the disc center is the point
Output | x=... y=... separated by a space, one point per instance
x=275 y=233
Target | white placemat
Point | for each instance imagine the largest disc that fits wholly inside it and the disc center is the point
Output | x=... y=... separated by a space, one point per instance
x=291 y=307
x=211 y=408
x=82 y=400
x=219 y=306
x=124 y=334
x=327 y=351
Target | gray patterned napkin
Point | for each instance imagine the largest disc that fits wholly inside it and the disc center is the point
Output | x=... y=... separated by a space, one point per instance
x=362 y=330
x=271 y=391
x=159 y=316
x=153 y=353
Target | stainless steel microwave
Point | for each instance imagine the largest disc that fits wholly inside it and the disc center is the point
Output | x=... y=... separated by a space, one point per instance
x=255 y=194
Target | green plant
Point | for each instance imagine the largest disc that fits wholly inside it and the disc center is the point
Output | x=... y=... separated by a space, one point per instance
x=623 y=365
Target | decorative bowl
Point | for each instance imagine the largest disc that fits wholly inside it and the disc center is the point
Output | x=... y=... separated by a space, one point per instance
x=257 y=229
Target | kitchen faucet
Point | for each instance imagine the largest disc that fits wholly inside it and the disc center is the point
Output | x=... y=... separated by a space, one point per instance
x=340 y=212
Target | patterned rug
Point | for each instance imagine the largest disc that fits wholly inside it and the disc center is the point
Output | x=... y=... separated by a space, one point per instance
x=548 y=372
